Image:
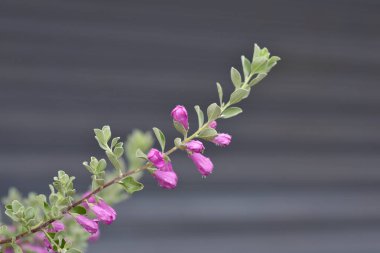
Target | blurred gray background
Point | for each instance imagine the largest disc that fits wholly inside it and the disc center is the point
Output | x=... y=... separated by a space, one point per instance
x=302 y=174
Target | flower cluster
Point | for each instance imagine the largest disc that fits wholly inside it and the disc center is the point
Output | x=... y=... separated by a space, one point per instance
x=164 y=173
x=46 y=224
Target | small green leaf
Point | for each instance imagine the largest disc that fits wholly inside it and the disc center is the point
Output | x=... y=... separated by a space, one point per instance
x=246 y=66
x=113 y=159
x=179 y=127
x=79 y=210
x=256 y=51
x=106 y=133
x=131 y=185
x=235 y=77
x=160 y=137
x=201 y=116
x=231 y=112
x=213 y=112
x=118 y=151
x=114 y=141
x=220 y=93
x=259 y=64
x=272 y=62
x=141 y=154
x=99 y=136
x=238 y=95
x=257 y=79
x=208 y=134
x=101 y=165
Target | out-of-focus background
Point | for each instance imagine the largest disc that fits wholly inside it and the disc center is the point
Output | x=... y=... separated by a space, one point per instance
x=303 y=172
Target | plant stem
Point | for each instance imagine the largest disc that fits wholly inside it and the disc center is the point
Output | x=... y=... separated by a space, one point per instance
x=97 y=190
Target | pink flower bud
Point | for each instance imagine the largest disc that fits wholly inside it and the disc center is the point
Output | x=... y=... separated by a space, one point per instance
x=156 y=157
x=104 y=215
x=57 y=226
x=203 y=163
x=166 y=179
x=180 y=116
x=89 y=225
x=213 y=124
x=195 y=146
x=94 y=237
x=222 y=140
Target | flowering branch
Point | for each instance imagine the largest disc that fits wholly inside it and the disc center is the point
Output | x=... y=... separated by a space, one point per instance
x=43 y=224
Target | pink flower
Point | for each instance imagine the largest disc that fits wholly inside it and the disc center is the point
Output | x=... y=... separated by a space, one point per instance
x=203 y=163
x=57 y=226
x=222 y=140
x=180 y=116
x=94 y=237
x=195 y=146
x=89 y=200
x=107 y=207
x=213 y=124
x=89 y=225
x=166 y=179
x=104 y=215
x=33 y=248
x=156 y=157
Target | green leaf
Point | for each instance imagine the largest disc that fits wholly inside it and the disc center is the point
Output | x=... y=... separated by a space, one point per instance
x=99 y=136
x=101 y=165
x=256 y=51
x=213 y=112
x=208 y=134
x=259 y=64
x=106 y=133
x=79 y=210
x=231 y=112
x=114 y=141
x=131 y=185
x=179 y=127
x=235 y=77
x=160 y=137
x=238 y=95
x=118 y=151
x=272 y=62
x=220 y=93
x=141 y=154
x=257 y=79
x=201 y=116
x=113 y=159
x=246 y=66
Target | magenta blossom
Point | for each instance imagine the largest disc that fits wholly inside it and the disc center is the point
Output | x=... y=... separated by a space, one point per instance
x=33 y=248
x=180 y=116
x=91 y=199
x=222 y=140
x=195 y=146
x=57 y=226
x=94 y=237
x=203 y=163
x=213 y=124
x=166 y=179
x=103 y=214
x=107 y=207
x=156 y=157
x=89 y=225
